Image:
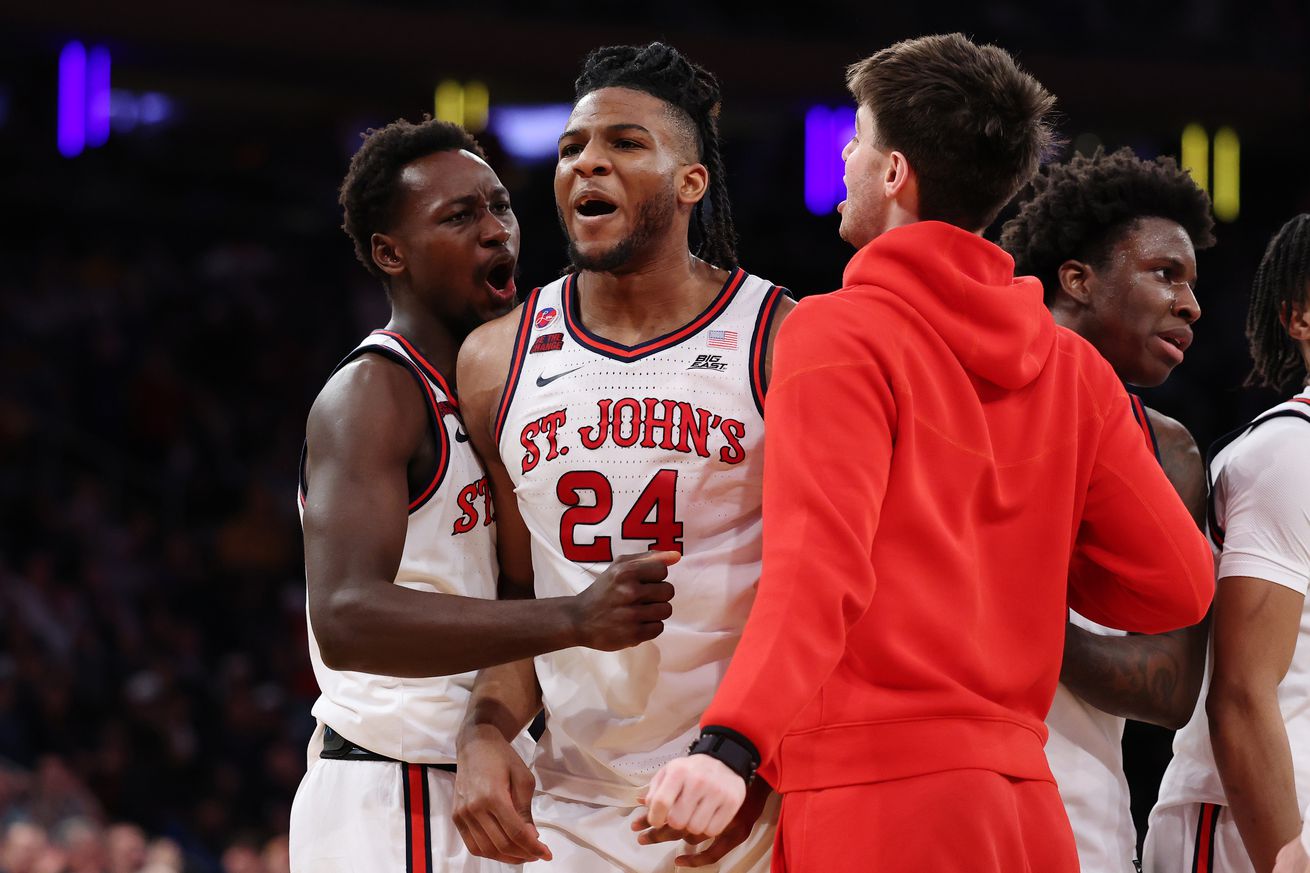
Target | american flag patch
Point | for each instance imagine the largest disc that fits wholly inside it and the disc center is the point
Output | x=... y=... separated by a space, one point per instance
x=722 y=339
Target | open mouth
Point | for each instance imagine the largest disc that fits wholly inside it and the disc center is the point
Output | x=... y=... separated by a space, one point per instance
x=501 y=277
x=592 y=207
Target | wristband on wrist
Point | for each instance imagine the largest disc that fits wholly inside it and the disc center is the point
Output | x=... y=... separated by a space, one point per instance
x=728 y=748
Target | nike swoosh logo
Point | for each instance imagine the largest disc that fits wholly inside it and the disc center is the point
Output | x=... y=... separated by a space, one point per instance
x=460 y=436
x=543 y=381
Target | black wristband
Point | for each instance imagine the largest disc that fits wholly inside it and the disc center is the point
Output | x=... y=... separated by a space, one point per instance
x=730 y=748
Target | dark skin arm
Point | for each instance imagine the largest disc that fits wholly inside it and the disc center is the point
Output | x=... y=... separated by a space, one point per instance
x=1153 y=678
x=493 y=787
x=364 y=431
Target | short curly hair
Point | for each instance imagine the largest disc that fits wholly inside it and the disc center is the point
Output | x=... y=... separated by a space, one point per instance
x=694 y=98
x=1080 y=209
x=368 y=193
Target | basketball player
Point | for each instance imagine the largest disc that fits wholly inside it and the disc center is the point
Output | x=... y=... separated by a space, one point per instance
x=1233 y=793
x=631 y=419
x=399 y=533
x=1112 y=239
x=943 y=464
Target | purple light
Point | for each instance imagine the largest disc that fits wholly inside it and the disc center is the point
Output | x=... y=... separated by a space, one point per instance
x=71 y=133
x=530 y=133
x=97 y=97
x=827 y=131
x=155 y=108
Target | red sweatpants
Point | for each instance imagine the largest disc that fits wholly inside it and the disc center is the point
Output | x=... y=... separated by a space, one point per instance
x=971 y=821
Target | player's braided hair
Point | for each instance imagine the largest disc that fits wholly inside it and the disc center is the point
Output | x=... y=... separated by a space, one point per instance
x=1081 y=208
x=368 y=193
x=1283 y=279
x=693 y=93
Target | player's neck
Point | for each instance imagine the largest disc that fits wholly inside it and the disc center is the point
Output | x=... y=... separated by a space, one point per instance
x=435 y=341
x=647 y=301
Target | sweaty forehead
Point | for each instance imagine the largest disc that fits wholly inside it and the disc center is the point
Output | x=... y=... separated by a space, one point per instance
x=1151 y=236
x=605 y=107
x=445 y=176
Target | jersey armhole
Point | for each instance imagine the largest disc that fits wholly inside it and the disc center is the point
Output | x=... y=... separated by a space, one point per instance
x=1216 y=530
x=434 y=421
x=516 y=362
x=1144 y=422
x=760 y=342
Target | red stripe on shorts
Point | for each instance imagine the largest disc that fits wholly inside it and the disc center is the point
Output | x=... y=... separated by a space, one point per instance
x=1203 y=859
x=418 y=834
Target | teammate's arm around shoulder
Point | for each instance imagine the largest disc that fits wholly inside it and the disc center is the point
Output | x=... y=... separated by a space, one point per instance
x=364 y=429
x=1139 y=562
x=1153 y=678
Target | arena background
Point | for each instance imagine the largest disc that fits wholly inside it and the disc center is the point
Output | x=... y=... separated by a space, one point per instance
x=173 y=296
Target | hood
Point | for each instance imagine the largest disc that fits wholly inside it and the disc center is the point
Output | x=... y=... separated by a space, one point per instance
x=964 y=287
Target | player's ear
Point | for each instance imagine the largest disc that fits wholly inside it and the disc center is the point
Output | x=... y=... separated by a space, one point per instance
x=900 y=182
x=1296 y=318
x=1077 y=282
x=387 y=254
x=692 y=183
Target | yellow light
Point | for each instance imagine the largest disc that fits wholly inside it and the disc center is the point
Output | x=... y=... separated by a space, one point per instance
x=1196 y=155
x=1227 y=174
x=450 y=101
x=477 y=103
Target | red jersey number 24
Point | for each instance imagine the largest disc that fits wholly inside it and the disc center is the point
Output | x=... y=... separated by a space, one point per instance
x=651 y=519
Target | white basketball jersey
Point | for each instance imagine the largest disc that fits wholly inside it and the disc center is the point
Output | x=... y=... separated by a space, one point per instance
x=614 y=450
x=1085 y=751
x=450 y=548
x=1246 y=482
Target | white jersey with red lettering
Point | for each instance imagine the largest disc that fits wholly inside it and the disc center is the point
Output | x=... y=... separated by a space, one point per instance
x=614 y=450
x=450 y=548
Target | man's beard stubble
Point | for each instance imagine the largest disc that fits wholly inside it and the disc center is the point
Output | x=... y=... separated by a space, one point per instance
x=654 y=219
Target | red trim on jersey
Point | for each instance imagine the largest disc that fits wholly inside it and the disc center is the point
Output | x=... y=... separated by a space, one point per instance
x=1139 y=413
x=516 y=360
x=443 y=446
x=610 y=349
x=418 y=834
x=418 y=372
x=759 y=343
x=432 y=372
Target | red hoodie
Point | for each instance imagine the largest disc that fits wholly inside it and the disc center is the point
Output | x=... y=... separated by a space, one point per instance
x=946 y=472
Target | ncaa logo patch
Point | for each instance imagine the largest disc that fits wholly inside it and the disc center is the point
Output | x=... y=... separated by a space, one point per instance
x=546 y=317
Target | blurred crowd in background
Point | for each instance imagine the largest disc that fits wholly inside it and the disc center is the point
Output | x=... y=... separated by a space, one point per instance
x=171 y=303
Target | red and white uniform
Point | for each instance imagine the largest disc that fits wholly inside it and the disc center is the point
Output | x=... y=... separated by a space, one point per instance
x=1259 y=527
x=614 y=450
x=362 y=815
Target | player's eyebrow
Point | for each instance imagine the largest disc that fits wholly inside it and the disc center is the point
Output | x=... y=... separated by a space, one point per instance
x=613 y=128
x=472 y=199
